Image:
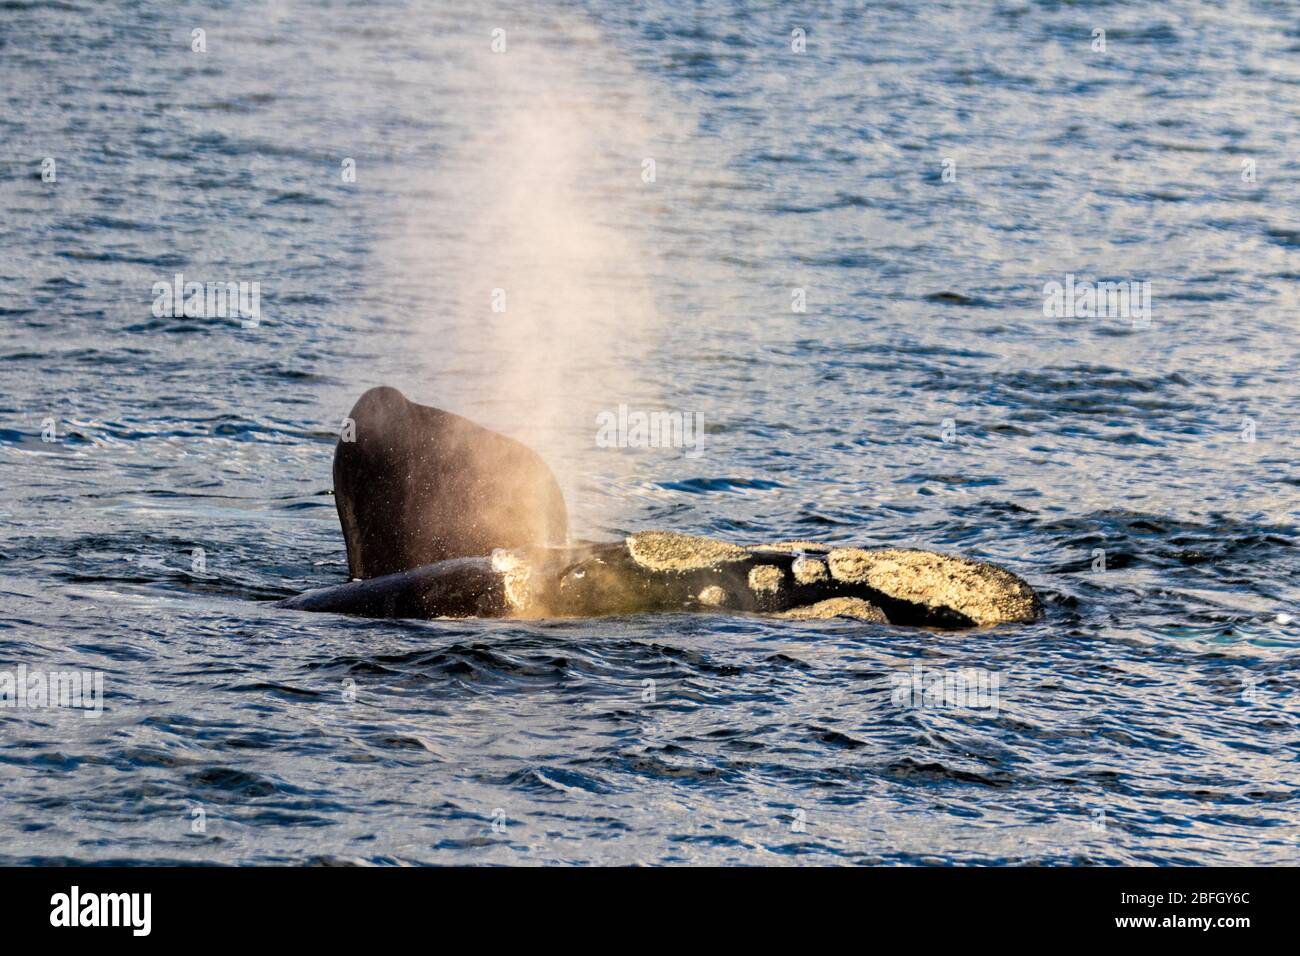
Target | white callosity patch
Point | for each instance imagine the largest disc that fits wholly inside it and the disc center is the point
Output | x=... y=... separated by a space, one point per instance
x=670 y=551
x=855 y=608
x=713 y=596
x=809 y=570
x=765 y=579
x=982 y=592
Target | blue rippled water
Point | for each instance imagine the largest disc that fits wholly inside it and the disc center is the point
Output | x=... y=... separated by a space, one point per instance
x=915 y=172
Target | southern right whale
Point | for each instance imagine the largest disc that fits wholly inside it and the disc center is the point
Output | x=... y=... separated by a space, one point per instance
x=445 y=518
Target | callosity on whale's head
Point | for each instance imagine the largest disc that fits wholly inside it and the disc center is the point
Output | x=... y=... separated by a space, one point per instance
x=983 y=593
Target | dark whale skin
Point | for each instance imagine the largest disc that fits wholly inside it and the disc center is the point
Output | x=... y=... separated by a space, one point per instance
x=460 y=587
x=419 y=485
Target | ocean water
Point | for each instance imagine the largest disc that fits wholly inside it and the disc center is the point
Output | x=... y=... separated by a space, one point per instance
x=832 y=247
